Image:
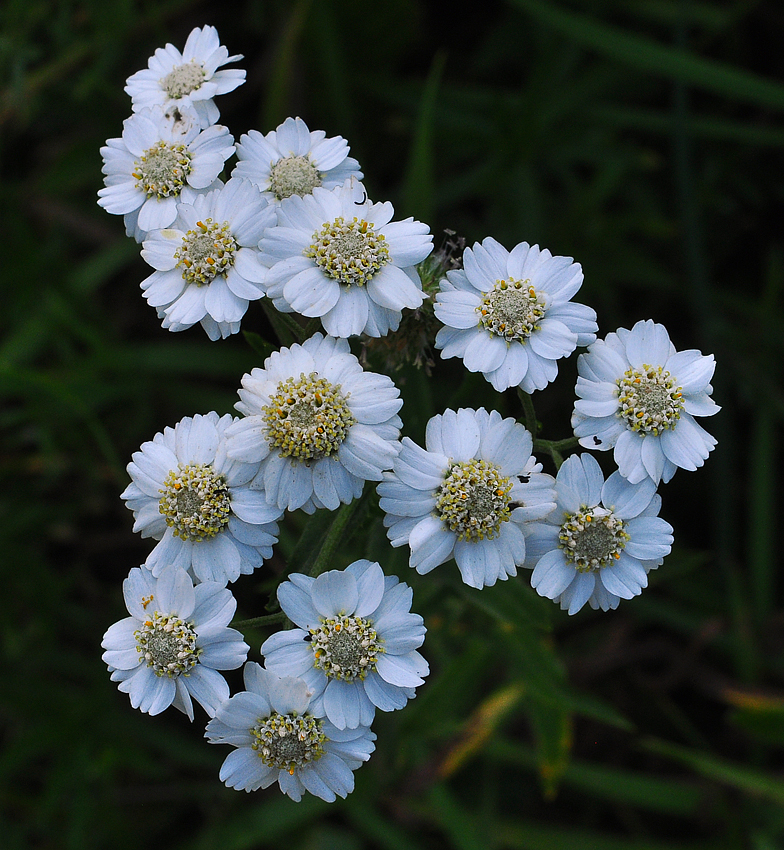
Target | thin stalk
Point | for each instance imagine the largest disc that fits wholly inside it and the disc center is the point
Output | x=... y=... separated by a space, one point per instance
x=336 y=536
x=555 y=447
x=265 y=620
x=528 y=411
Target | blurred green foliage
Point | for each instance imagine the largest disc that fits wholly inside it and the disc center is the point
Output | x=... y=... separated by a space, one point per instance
x=645 y=139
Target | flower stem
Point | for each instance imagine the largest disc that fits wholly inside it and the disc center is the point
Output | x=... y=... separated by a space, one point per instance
x=265 y=620
x=336 y=536
x=528 y=409
x=555 y=447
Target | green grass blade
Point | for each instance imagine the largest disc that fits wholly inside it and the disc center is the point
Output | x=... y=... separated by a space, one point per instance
x=650 y=57
x=748 y=780
x=419 y=183
x=615 y=784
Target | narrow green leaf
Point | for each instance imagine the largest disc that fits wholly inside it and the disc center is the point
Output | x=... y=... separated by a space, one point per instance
x=419 y=182
x=707 y=128
x=763 y=511
x=456 y=821
x=745 y=779
x=553 y=735
x=283 y=68
x=617 y=785
x=511 y=603
x=270 y=820
x=534 y=836
x=258 y=344
x=381 y=832
x=651 y=57
x=284 y=325
x=763 y=723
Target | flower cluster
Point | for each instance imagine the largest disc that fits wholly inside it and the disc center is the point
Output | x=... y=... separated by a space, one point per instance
x=292 y=227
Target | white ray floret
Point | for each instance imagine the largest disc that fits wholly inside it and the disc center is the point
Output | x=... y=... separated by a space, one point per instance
x=169 y=651
x=207 y=264
x=280 y=737
x=154 y=165
x=293 y=160
x=601 y=541
x=356 y=642
x=470 y=494
x=190 y=78
x=337 y=256
x=187 y=494
x=319 y=425
x=639 y=396
x=509 y=315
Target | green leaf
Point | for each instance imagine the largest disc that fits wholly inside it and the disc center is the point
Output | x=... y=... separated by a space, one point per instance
x=259 y=344
x=288 y=330
x=745 y=779
x=512 y=603
x=418 y=189
x=651 y=57
x=455 y=820
x=382 y=833
x=615 y=784
x=534 y=836
x=553 y=735
x=762 y=722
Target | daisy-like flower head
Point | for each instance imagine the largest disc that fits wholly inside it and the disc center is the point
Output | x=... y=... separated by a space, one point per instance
x=280 y=738
x=206 y=264
x=189 y=495
x=509 y=315
x=170 y=649
x=318 y=423
x=190 y=78
x=601 y=541
x=293 y=160
x=338 y=256
x=639 y=396
x=469 y=495
x=155 y=164
x=355 y=645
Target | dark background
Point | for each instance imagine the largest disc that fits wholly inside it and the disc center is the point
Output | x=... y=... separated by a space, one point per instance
x=645 y=140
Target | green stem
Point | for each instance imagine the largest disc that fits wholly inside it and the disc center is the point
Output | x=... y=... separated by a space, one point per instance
x=555 y=447
x=558 y=445
x=557 y=457
x=265 y=620
x=336 y=536
x=528 y=409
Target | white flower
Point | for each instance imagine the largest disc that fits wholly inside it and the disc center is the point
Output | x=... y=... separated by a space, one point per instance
x=293 y=160
x=189 y=495
x=509 y=315
x=355 y=645
x=337 y=256
x=639 y=396
x=190 y=78
x=470 y=494
x=207 y=264
x=170 y=649
x=601 y=541
x=154 y=165
x=280 y=739
x=318 y=423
